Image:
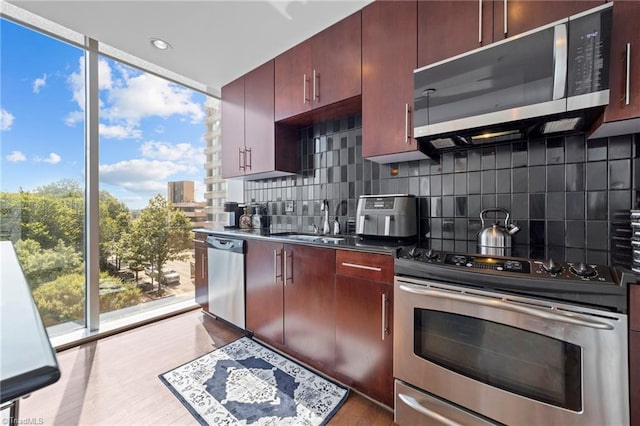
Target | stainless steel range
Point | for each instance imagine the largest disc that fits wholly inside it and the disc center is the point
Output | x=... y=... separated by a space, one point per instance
x=484 y=340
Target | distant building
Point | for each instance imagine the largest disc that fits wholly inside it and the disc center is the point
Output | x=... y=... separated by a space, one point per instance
x=216 y=187
x=181 y=195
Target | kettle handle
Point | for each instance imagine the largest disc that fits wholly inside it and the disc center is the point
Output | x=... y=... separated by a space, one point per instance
x=495 y=209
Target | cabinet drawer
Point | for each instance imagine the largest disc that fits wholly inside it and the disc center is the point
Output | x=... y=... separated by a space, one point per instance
x=634 y=307
x=374 y=267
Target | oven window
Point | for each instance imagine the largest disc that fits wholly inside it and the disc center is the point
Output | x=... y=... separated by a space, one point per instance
x=509 y=358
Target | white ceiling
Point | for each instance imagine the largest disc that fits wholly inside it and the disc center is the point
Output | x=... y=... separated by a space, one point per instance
x=213 y=42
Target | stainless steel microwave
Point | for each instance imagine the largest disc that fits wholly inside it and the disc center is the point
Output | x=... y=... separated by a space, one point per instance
x=552 y=71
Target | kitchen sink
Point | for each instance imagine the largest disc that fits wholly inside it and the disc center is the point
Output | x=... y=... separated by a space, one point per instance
x=309 y=238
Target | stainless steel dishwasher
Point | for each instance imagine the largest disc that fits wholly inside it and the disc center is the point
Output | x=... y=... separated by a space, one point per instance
x=226 y=279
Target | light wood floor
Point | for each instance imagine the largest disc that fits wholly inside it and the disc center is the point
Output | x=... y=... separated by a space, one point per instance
x=114 y=381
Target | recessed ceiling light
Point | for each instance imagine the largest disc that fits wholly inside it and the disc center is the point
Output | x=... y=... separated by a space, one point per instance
x=160 y=44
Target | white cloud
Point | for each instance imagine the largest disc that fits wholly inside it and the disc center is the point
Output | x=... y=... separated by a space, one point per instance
x=6 y=119
x=74 y=118
x=180 y=152
x=16 y=157
x=117 y=131
x=53 y=158
x=129 y=96
x=39 y=83
x=142 y=176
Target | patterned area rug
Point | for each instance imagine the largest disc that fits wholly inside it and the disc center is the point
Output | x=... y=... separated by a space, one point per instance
x=245 y=383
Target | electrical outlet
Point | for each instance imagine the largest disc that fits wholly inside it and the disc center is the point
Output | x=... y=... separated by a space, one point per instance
x=288 y=207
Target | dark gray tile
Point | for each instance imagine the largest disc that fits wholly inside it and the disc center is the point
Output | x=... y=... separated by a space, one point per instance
x=461 y=206
x=475 y=183
x=448 y=228
x=447 y=184
x=461 y=229
x=555 y=205
x=619 y=204
x=598 y=257
x=425 y=186
x=620 y=147
x=436 y=206
x=503 y=201
x=414 y=168
x=555 y=233
x=488 y=158
x=460 y=183
x=597 y=236
x=520 y=180
x=460 y=161
x=575 y=236
x=520 y=206
x=575 y=208
x=537 y=152
x=575 y=180
x=519 y=155
x=488 y=201
x=447 y=162
x=503 y=181
x=436 y=184
x=536 y=233
x=555 y=177
x=448 y=206
x=537 y=179
x=473 y=159
x=597 y=205
x=435 y=229
x=474 y=206
x=620 y=174
x=597 y=149
x=537 y=206
x=488 y=181
x=596 y=176
x=474 y=226
x=555 y=150
x=503 y=156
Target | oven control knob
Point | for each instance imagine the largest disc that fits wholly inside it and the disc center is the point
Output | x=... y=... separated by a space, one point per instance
x=551 y=267
x=583 y=270
x=431 y=254
x=414 y=253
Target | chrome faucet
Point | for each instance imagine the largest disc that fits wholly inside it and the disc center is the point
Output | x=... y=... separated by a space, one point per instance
x=324 y=207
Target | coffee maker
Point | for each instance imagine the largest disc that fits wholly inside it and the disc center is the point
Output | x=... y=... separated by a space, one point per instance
x=232 y=212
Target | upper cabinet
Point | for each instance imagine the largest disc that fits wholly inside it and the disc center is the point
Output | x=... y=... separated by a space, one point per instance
x=622 y=115
x=448 y=28
x=249 y=147
x=320 y=71
x=389 y=46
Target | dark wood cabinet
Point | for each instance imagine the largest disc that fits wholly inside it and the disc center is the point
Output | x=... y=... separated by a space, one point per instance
x=517 y=16
x=364 y=321
x=265 y=293
x=389 y=45
x=200 y=275
x=626 y=16
x=449 y=28
x=320 y=71
x=249 y=145
x=309 y=299
x=634 y=353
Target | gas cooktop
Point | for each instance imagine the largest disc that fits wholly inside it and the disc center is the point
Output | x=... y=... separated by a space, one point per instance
x=592 y=285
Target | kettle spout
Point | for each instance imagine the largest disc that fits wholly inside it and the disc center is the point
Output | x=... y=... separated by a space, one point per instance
x=512 y=229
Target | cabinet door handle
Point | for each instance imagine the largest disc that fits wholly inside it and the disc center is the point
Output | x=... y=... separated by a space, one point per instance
x=203 y=263
x=247 y=164
x=316 y=87
x=276 y=253
x=355 y=265
x=407 y=123
x=385 y=325
x=305 y=98
x=627 y=96
x=480 y=21
x=505 y=17
x=241 y=157
x=287 y=278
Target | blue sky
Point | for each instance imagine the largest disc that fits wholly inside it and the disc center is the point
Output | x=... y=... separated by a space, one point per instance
x=151 y=130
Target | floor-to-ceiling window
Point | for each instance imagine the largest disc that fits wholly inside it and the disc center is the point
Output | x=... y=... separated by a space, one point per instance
x=153 y=134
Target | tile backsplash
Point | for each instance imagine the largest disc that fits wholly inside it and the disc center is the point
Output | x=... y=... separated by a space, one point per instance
x=570 y=197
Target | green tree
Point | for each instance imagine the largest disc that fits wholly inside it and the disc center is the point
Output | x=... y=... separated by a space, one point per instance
x=115 y=224
x=160 y=233
x=44 y=265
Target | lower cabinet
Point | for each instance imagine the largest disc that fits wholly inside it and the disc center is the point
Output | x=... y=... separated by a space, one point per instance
x=200 y=275
x=364 y=322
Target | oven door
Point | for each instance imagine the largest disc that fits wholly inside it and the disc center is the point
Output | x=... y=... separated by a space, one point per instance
x=512 y=359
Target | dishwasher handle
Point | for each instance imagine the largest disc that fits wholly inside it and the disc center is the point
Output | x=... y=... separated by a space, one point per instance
x=226 y=244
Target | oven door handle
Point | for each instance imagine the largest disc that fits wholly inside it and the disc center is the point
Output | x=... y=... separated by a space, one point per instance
x=414 y=404
x=501 y=304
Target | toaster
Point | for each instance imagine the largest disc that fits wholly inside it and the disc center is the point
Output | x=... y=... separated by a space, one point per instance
x=393 y=215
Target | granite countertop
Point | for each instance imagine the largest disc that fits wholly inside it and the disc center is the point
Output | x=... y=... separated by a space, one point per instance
x=347 y=242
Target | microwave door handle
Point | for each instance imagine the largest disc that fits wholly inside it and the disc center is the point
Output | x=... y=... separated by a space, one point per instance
x=559 y=61
x=501 y=304
x=415 y=405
